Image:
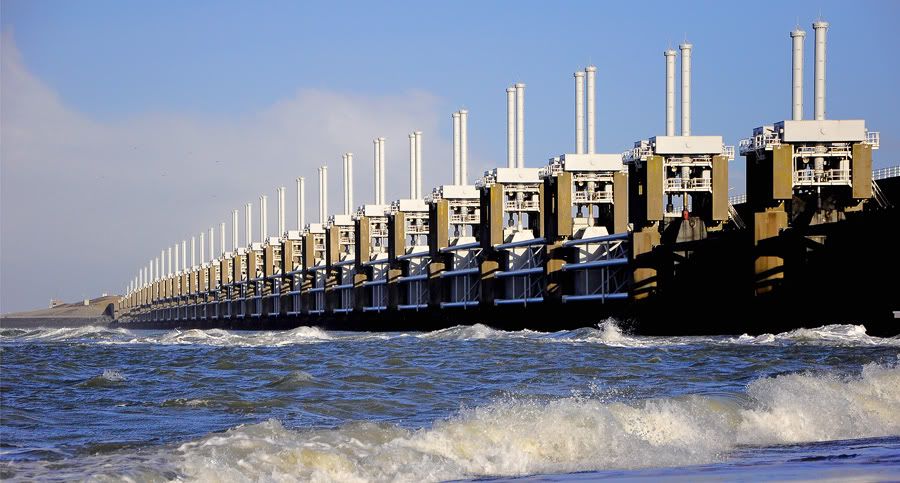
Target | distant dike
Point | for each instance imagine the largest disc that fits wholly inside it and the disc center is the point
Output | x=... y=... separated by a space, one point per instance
x=99 y=311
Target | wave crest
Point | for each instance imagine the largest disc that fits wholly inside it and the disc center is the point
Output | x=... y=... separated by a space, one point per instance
x=86 y=333
x=109 y=378
x=573 y=434
x=472 y=332
x=834 y=334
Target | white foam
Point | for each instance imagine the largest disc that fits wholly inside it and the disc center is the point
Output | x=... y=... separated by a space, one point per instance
x=611 y=334
x=113 y=375
x=214 y=337
x=520 y=437
x=474 y=332
x=832 y=335
x=218 y=337
x=608 y=332
x=62 y=334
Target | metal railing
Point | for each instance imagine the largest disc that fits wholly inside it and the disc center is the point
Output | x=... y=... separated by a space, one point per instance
x=465 y=288
x=639 y=153
x=255 y=302
x=524 y=205
x=829 y=177
x=889 y=172
x=296 y=280
x=524 y=283
x=692 y=184
x=469 y=219
x=345 y=291
x=811 y=151
x=592 y=197
x=873 y=138
x=738 y=199
x=414 y=285
x=728 y=151
x=760 y=142
x=604 y=273
x=272 y=300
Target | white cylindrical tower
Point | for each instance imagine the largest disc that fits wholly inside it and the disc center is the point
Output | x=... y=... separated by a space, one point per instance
x=350 y=181
x=162 y=263
x=579 y=112
x=193 y=251
x=323 y=204
x=670 y=92
x=520 y=125
x=510 y=127
x=184 y=255
x=797 y=38
x=169 y=265
x=234 y=230
x=418 y=164
x=821 y=28
x=280 y=211
x=591 y=109
x=381 y=190
x=463 y=146
x=176 y=259
x=222 y=237
x=248 y=224
x=456 y=146
x=686 y=88
x=212 y=242
x=321 y=197
x=346 y=173
x=377 y=168
x=263 y=218
x=412 y=166
x=202 y=248
x=301 y=203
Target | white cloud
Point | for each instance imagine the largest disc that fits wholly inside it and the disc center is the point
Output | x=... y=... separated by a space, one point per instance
x=84 y=202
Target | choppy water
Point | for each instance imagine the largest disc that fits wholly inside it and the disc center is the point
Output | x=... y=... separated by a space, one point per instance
x=461 y=403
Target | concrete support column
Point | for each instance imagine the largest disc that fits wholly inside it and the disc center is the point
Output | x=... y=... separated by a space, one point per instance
x=644 y=275
x=768 y=266
x=438 y=239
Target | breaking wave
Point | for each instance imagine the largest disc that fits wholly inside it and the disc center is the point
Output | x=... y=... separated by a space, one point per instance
x=836 y=334
x=109 y=378
x=219 y=337
x=210 y=337
x=474 y=332
x=609 y=333
x=523 y=437
x=64 y=334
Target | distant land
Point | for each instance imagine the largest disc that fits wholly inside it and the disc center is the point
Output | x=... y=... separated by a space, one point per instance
x=98 y=311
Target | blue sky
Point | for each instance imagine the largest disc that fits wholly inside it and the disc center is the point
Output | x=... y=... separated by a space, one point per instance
x=160 y=109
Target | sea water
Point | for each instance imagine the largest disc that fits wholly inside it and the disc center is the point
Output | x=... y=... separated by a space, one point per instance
x=461 y=403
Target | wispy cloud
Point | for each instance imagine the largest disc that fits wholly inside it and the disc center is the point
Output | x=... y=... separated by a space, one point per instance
x=84 y=202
